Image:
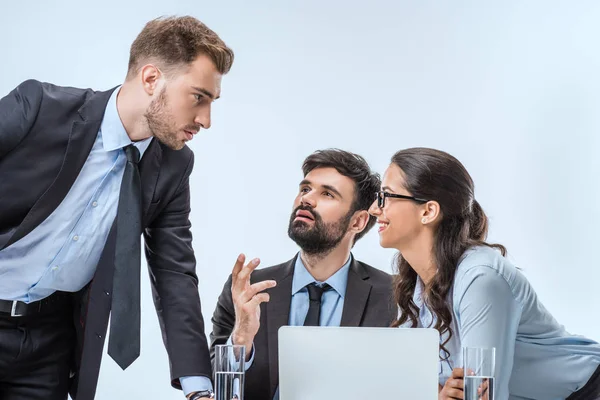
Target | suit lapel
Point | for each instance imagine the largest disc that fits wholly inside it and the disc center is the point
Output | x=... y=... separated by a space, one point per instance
x=357 y=294
x=149 y=170
x=278 y=315
x=81 y=139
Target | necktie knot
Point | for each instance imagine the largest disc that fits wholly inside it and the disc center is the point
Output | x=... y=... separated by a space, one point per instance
x=132 y=153
x=316 y=292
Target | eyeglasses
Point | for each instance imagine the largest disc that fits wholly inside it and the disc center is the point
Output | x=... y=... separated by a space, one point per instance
x=381 y=195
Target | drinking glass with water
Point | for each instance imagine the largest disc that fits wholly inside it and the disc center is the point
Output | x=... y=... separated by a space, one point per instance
x=479 y=367
x=230 y=367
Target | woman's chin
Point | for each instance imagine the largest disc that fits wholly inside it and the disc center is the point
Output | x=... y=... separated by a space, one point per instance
x=386 y=244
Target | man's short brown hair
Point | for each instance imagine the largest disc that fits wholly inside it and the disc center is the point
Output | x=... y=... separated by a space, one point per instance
x=176 y=41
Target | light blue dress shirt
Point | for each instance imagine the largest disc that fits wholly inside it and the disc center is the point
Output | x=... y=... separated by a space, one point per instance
x=63 y=251
x=493 y=305
x=332 y=302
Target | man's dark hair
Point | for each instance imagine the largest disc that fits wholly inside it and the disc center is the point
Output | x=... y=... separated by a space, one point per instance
x=355 y=167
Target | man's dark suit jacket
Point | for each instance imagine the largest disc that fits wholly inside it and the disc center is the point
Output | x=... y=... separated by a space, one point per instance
x=46 y=135
x=368 y=302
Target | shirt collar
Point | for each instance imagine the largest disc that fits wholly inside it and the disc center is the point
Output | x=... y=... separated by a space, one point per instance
x=114 y=135
x=337 y=281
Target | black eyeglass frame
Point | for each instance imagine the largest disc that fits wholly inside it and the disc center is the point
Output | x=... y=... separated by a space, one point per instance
x=381 y=195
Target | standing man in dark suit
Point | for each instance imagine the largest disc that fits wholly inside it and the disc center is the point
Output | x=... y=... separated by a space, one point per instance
x=83 y=174
x=322 y=285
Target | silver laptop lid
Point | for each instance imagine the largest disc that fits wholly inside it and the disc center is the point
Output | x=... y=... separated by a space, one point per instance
x=358 y=363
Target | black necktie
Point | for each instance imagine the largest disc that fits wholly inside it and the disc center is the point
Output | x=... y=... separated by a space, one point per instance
x=124 y=339
x=315 y=293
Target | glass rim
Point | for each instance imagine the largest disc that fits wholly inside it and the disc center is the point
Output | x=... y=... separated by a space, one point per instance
x=229 y=345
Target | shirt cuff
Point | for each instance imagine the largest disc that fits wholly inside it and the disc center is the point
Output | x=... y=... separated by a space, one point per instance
x=191 y=384
x=248 y=363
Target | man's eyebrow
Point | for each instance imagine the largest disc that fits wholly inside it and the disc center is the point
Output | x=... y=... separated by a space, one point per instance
x=334 y=190
x=326 y=187
x=205 y=92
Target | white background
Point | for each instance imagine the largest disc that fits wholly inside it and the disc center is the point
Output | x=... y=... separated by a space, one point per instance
x=511 y=88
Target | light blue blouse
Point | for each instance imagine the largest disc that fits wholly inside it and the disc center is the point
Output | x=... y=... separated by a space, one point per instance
x=493 y=305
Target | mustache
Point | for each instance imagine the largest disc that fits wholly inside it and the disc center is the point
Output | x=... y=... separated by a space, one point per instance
x=309 y=209
x=194 y=128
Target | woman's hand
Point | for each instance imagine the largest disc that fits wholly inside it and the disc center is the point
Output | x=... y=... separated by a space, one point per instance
x=453 y=389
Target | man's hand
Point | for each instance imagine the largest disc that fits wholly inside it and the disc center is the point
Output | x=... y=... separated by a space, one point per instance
x=246 y=301
x=453 y=388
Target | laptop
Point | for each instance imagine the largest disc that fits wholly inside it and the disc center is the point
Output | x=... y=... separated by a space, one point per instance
x=348 y=363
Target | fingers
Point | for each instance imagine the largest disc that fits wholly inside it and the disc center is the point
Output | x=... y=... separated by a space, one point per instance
x=453 y=389
x=450 y=393
x=457 y=383
x=483 y=388
x=455 y=394
x=258 y=299
x=240 y=276
x=458 y=373
x=249 y=293
x=239 y=263
x=248 y=269
x=482 y=391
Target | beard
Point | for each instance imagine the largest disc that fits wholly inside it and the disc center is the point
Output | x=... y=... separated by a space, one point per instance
x=320 y=238
x=161 y=122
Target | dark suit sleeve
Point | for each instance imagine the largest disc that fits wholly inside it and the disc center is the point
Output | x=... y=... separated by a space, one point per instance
x=223 y=319
x=18 y=112
x=172 y=268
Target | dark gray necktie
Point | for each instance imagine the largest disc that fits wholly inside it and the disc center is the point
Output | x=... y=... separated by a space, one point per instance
x=315 y=293
x=124 y=339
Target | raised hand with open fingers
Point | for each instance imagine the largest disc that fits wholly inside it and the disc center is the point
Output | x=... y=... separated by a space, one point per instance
x=247 y=298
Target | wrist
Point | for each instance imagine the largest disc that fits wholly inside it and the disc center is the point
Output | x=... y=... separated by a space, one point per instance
x=240 y=338
x=201 y=395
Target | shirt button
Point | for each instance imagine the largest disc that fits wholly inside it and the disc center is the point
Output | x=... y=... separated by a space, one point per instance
x=95 y=204
x=55 y=268
x=75 y=238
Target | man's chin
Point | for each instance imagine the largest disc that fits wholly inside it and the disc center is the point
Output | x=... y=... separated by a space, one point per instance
x=172 y=144
x=178 y=146
x=300 y=227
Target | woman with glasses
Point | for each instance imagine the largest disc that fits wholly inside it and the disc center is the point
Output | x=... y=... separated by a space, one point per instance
x=449 y=278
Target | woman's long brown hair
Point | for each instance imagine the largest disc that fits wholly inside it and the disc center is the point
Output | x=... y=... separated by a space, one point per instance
x=436 y=175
